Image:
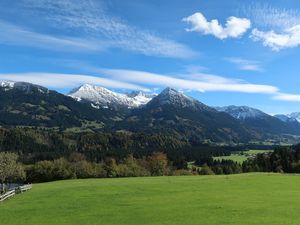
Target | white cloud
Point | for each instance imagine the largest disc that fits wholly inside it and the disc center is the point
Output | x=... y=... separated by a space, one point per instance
x=278 y=28
x=137 y=80
x=58 y=80
x=287 y=97
x=91 y=21
x=145 y=81
x=289 y=38
x=234 y=28
x=199 y=82
x=270 y=17
x=244 y=64
x=14 y=35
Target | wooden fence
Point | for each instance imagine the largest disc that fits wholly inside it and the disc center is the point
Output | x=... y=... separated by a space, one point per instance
x=7 y=195
x=23 y=188
x=17 y=190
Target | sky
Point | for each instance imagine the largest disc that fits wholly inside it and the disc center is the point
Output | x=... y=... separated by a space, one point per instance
x=230 y=52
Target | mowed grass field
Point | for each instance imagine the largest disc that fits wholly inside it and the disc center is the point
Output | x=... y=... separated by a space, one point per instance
x=256 y=199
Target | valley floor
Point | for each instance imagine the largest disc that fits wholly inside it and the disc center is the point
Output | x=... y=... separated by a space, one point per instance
x=256 y=199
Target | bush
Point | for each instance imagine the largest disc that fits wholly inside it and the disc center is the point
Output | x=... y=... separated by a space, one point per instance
x=206 y=170
x=132 y=168
x=182 y=173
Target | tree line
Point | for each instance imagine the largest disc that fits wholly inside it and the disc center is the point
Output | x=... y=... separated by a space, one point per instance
x=40 y=155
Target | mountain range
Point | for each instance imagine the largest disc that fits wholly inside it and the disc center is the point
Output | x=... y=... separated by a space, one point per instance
x=261 y=121
x=295 y=116
x=94 y=108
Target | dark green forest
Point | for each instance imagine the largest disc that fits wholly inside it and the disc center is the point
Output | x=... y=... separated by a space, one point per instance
x=47 y=155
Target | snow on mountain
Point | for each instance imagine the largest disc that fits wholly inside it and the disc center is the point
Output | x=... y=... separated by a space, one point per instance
x=7 y=85
x=24 y=86
x=284 y=118
x=102 y=97
x=242 y=112
x=170 y=96
x=295 y=116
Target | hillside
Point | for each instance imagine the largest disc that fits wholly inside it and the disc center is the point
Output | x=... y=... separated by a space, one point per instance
x=25 y=104
x=91 y=108
x=176 y=113
x=248 y=199
x=260 y=121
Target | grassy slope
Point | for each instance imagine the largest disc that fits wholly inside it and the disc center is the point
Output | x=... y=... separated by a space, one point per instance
x=234 y=157
x=256 y=199
x=240 y=158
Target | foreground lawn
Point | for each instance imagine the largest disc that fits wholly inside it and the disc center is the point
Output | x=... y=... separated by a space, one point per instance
x=256 y=199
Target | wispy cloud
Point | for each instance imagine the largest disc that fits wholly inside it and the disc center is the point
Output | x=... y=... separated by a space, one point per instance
x=203 y=82
x=59 y=80
x=234 y=28
x=193 y=80
x=269 y=17
x=14 y=35
x=279 y=28
x=287 y=97
x=90 y=19
x=244 y=64
x=136 y=80
x=146 y=81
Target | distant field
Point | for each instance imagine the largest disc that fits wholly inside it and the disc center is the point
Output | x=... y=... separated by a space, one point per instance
x=256 y=199
x=240 y=157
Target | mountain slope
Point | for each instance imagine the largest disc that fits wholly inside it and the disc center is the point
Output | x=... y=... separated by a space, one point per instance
x=261 y=121
x=295 y=116
x=100 y=97
x=173 y=112
x=25 y=104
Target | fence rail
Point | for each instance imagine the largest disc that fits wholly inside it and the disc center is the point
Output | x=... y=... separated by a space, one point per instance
x=7 y=195
x=17 y=190
x=24 y=188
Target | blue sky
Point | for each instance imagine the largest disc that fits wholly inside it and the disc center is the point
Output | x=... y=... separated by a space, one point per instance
x=220 y=52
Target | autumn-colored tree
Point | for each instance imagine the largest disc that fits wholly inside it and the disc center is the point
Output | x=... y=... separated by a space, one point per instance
x=158 y=164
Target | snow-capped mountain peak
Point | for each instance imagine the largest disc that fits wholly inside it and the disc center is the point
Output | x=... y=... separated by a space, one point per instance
x=294 y=116
x=170 y=96
x=7 y=84
x=23 y=86
x=242 y=112
x=100 y=96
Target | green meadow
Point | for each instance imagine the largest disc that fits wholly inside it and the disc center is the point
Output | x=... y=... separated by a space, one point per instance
x=256 y=199
x=240 y=157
